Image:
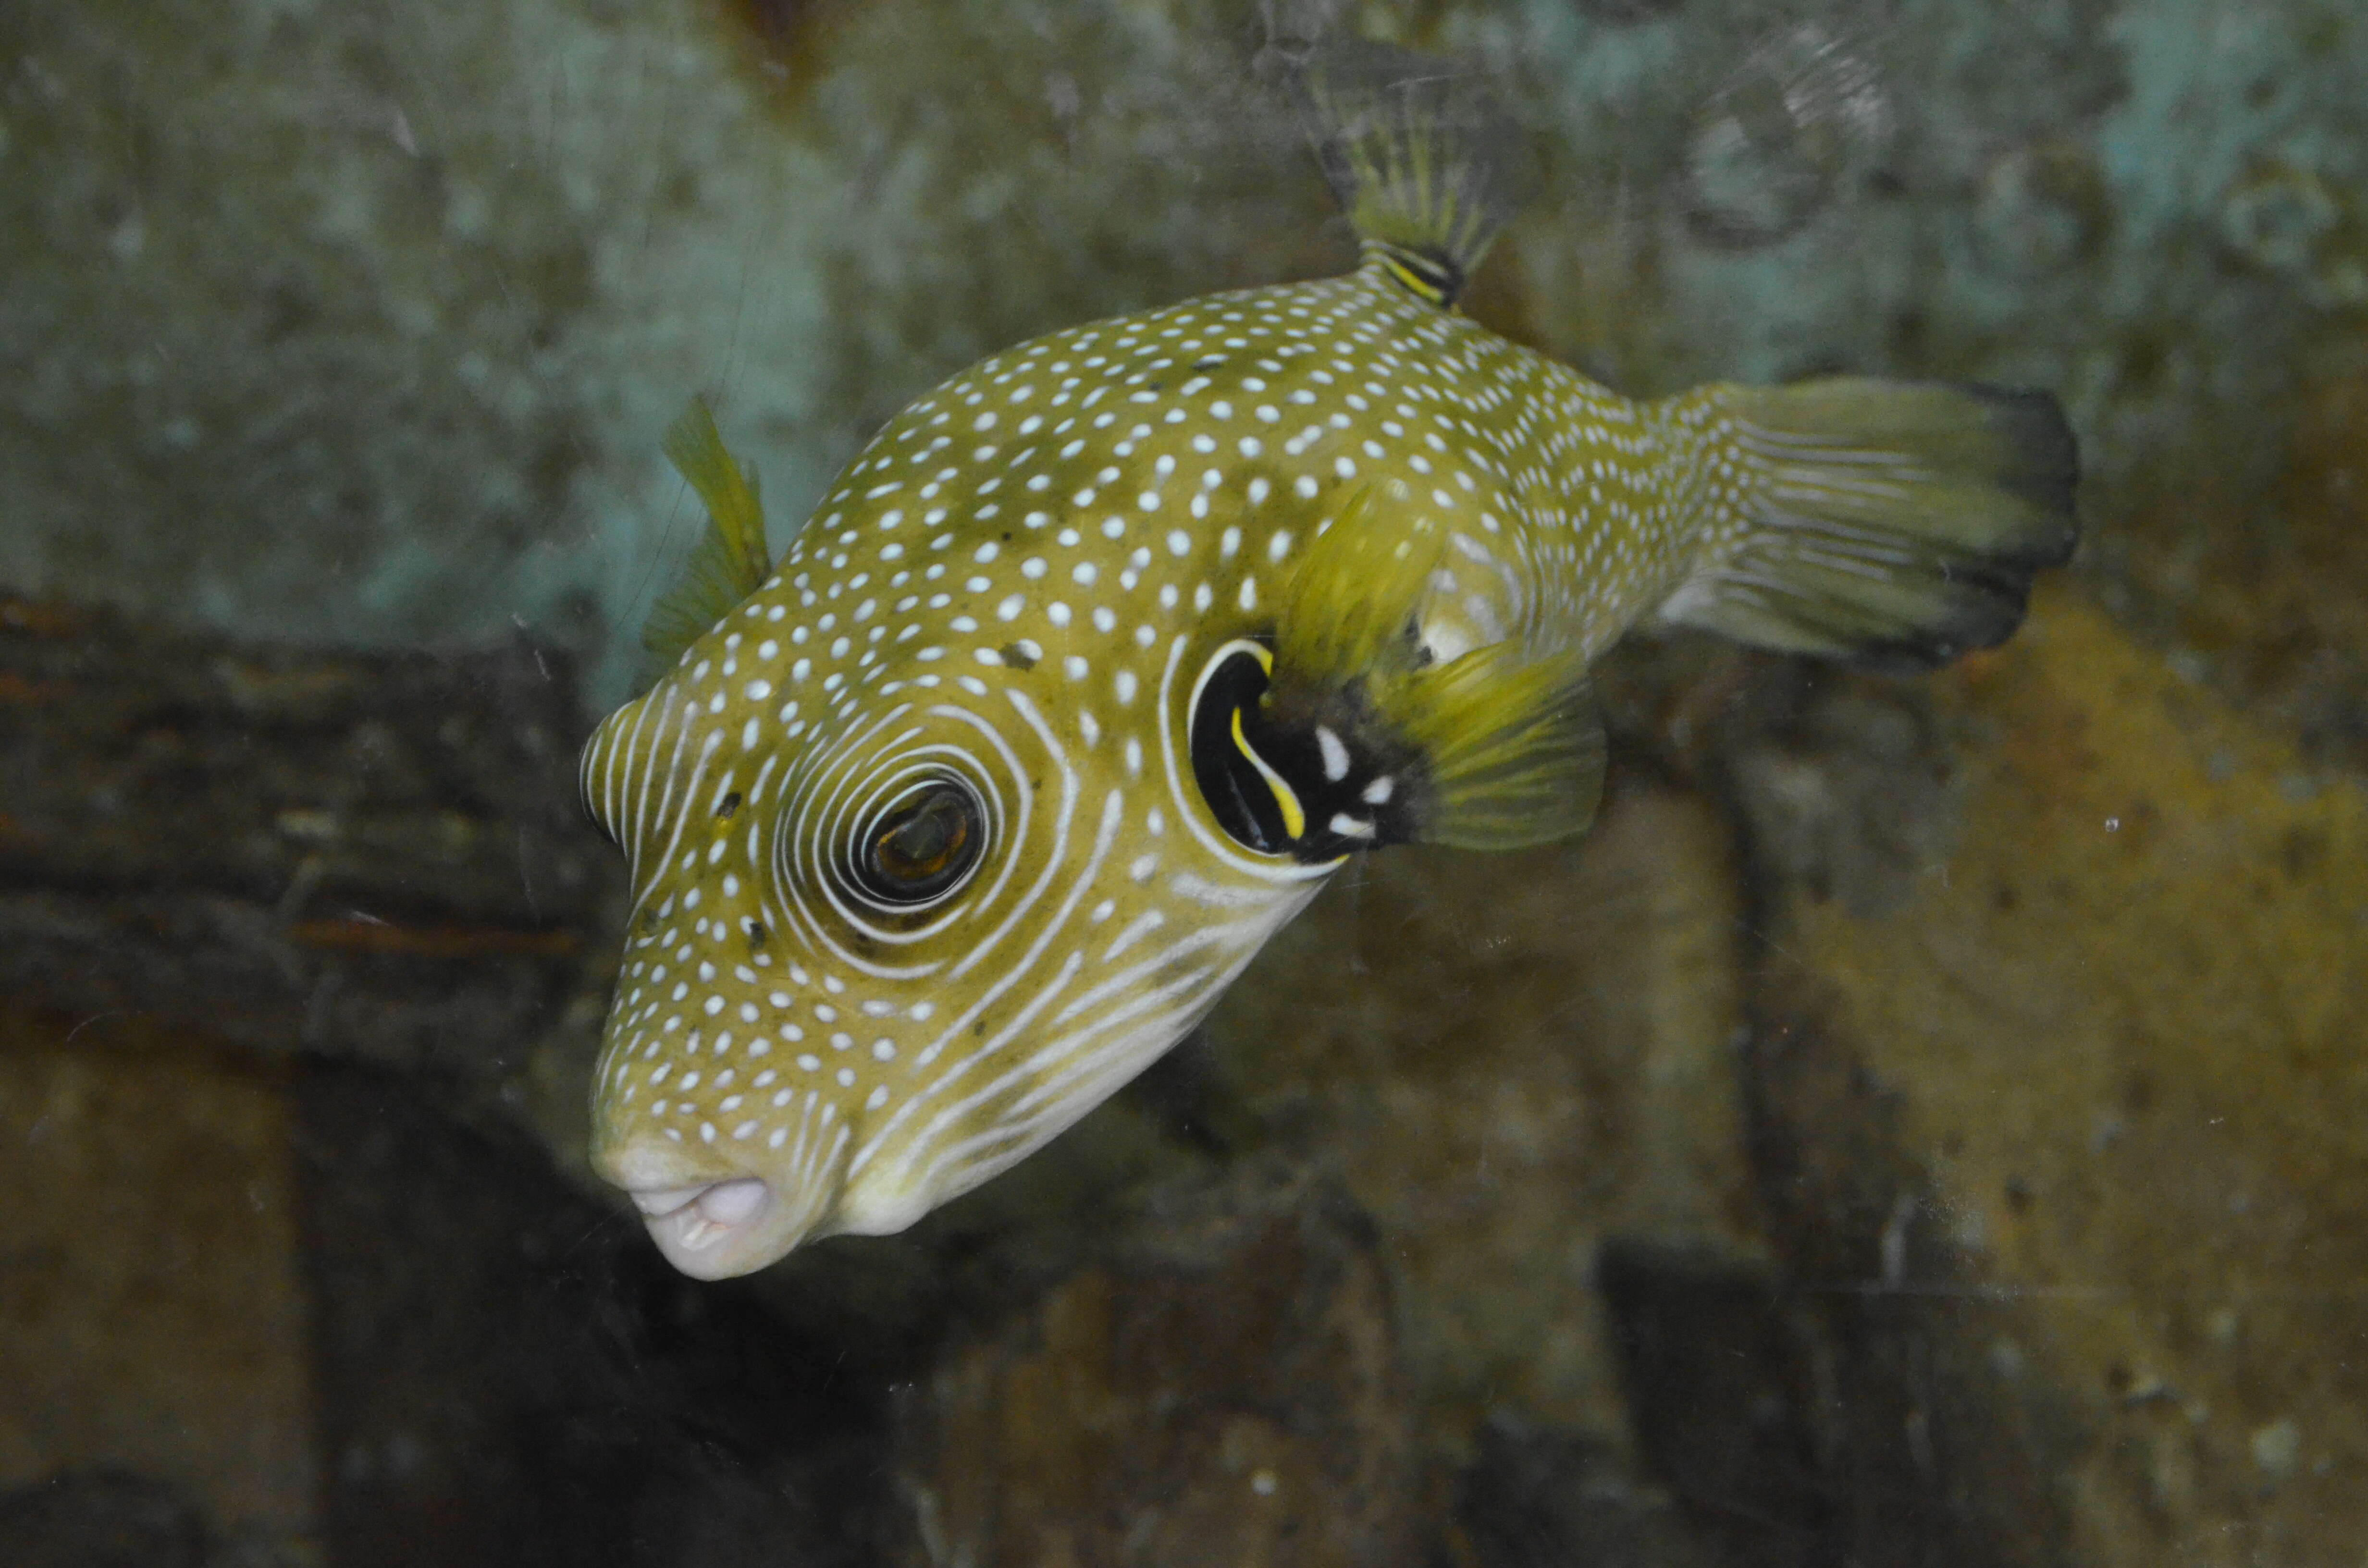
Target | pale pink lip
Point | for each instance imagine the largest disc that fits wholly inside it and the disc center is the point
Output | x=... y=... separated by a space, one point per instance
x=691 y=1224
x=710 y=1215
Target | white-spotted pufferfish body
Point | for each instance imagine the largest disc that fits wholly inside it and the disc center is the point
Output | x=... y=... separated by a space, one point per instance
x=1100 y=658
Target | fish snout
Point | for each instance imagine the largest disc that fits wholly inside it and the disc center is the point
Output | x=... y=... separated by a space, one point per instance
x=711 y=1225
x=704 y=1230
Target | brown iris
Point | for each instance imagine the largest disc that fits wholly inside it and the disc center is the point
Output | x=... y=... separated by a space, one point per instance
x=922 y=847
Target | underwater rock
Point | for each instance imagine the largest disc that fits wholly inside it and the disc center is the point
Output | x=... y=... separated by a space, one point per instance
x=2064 y=1145
x=507 y=1377
x=407 y=1342
x=153 y=1307
x=2041 y=208
x=1508 y=1066
x=1719 y=1380
x=100 y=1520
x=1549 y=1497
x=2279 y=218
x=364 y=327
x=1765 y=153
x=1721 y=1394
x=1213 y=1379
x=374 y=857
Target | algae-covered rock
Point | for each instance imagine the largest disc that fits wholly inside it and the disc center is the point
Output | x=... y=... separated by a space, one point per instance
x=1211 y=1379
x=1507 y=1066
x=2080 y=1115
x=352 y=324
x=153 y=1307
x=365 y=325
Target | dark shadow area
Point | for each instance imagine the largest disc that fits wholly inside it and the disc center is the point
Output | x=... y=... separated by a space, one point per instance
x=507 y=1375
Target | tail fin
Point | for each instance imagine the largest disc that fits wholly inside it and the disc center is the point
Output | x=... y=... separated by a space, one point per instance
x=1427 y=165
x=1891 y=524
x=730 y=560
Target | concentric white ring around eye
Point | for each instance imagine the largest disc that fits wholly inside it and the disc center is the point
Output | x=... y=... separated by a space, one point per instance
x=831 y=810
x=859 y=829
x=833 y=833
x=865 y=829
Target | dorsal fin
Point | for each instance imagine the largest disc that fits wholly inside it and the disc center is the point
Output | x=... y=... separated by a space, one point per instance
x=1426 y=163
x=730 y=560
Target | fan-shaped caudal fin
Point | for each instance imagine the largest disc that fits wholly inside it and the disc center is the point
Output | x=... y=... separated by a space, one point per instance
x=1891 y=524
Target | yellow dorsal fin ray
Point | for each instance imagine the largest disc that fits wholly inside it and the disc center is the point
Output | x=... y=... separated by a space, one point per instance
x=730 y=560
x=1425 y=161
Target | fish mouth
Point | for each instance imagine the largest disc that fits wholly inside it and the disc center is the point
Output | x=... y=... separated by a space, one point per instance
x=711 y=1224
x=704 y=1230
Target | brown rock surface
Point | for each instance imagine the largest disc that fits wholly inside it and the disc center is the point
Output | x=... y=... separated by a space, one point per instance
x=506 y=1375
x=2070 y=1139
x=1212 y=1378
x=1508 y=1062
x=260 y=1315
x=153 y=1312
x=354 y=855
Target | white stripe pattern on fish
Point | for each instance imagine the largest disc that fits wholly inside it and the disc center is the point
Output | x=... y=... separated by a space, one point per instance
x=1098 y=658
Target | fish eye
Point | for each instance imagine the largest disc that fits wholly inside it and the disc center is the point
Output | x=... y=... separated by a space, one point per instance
x=920 y=847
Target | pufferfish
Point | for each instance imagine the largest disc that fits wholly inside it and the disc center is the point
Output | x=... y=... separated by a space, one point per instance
x=1101 y=658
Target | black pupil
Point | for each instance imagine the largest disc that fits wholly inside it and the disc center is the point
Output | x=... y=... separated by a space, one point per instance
x=917 y=850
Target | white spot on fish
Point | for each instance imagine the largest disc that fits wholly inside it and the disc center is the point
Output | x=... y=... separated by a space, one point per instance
x=1335 y=754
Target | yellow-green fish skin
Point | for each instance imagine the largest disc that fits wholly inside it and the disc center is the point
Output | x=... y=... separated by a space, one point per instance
x=1017 y=586
x=1020 y=577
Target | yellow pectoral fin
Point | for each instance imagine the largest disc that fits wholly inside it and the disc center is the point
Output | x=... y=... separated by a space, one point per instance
x=1295 y=819
x=697 y=453
x=730 y=560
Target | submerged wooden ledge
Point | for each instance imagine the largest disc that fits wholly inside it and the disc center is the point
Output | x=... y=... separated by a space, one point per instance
x=374 y=856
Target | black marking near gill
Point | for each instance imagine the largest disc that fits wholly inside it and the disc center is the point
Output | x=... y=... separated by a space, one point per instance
x=1312 y=778
x=1429 y=275
x=1237 y=793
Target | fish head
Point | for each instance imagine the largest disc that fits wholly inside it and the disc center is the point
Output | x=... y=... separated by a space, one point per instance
x=898 y=922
